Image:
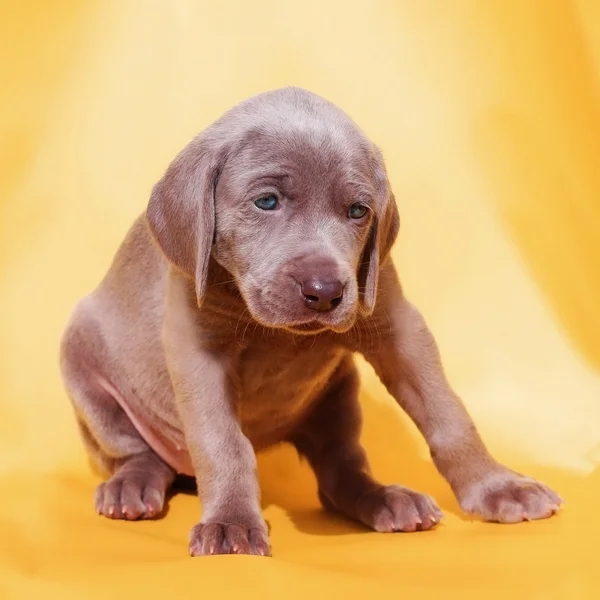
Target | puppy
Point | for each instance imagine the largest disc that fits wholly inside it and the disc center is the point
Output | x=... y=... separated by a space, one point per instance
x=227 y=323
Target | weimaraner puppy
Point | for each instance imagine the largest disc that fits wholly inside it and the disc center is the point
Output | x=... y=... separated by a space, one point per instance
x=228 y=321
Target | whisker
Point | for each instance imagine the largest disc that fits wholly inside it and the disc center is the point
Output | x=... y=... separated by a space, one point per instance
x=373 y=323
x=245 y=329
x=239 y=321
x=223 y=282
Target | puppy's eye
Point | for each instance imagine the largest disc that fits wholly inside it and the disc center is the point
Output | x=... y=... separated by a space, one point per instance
x=357 y=211
x=267 y=202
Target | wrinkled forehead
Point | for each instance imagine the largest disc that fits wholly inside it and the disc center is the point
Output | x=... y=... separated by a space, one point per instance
x=307 y=162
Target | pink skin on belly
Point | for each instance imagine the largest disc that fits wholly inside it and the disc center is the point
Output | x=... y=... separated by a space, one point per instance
x=173 y=453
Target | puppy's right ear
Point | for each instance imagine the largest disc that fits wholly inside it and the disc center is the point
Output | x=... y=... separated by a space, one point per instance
x=181 y=212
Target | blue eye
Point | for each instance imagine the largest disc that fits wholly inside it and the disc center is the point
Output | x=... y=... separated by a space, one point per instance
x=357 y=211
x=267 y=202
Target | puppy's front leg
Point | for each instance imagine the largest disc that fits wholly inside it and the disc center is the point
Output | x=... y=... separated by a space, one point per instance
x=223 y=458
x=410 y=368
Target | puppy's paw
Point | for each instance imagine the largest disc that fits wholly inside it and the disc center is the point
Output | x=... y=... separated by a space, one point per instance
x=395 y=508
x=507 y=497
x=228 y=538
x=129 y=496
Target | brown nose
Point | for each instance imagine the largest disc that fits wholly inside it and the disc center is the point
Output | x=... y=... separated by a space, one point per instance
x=322 y=295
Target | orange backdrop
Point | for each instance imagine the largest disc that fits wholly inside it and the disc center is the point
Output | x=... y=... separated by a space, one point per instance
x=488 y=114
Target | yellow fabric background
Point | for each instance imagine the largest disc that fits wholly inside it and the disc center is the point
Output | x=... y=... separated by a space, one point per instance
x=488 y=114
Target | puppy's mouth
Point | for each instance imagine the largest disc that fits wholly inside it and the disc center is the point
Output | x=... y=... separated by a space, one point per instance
x=306 y=327
x=283 y=311
x=311 y=328
x=316 y=326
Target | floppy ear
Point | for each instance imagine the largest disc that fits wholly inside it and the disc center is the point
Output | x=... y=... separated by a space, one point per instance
x=181 y=212
x=382 y=236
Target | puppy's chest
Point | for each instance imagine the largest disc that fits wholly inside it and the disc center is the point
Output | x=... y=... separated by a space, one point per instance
x=277 y=385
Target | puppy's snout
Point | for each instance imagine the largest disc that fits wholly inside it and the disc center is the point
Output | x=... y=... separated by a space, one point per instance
x=321 y=295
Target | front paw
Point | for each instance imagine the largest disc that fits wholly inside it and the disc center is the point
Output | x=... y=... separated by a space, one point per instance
x=228 y=538
x=507 y=497
x=395 y=508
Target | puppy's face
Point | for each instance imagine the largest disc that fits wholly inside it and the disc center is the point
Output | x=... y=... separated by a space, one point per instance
x=288 y=195
x=293 y=213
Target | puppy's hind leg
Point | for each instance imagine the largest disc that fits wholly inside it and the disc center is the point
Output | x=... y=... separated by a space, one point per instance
x=139 y=477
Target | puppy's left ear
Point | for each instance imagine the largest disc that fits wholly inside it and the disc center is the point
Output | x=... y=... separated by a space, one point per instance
x=382 y=236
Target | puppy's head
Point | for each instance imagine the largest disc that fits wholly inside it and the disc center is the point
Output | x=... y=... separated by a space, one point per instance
x=287 y=194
